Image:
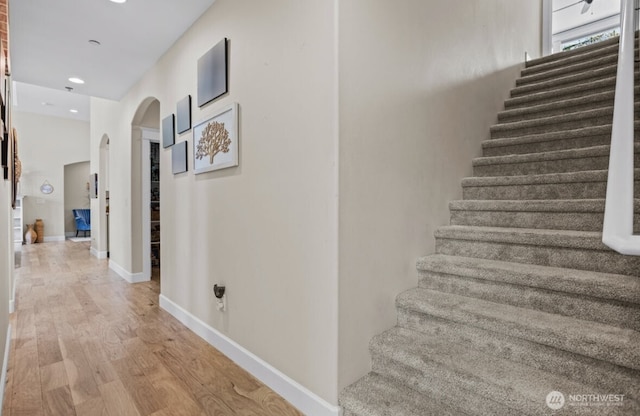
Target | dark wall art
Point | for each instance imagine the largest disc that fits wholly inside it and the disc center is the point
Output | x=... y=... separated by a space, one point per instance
x=212 y=73
x=179 y=158
x=168 y=131
x=183 y=114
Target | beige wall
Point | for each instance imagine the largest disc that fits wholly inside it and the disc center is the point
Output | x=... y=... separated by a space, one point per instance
x=268 y=228
x=420 y=84
x=76 y=194
x=103 y=118
x=46 y=145
x=6 y=258
x=417 y=83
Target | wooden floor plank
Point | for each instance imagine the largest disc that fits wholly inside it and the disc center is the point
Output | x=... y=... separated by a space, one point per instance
x=85 y=342
x=53 y=376
x=93 y=407
x=58 y=402
x=117 y=400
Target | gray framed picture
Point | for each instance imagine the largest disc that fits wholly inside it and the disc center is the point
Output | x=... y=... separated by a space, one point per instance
x=179 y=158
x=215 y=141
x=168 y=131
x=212 y=73
x=183 y=114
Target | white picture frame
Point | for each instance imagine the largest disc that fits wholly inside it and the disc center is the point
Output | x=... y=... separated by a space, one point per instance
x=215 y=141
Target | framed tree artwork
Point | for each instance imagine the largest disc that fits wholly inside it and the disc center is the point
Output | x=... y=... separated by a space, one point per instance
x=215 y=141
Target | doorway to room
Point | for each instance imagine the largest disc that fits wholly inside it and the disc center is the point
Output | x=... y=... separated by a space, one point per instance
x=145 y=191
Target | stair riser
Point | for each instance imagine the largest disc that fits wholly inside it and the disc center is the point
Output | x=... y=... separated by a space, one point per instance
x=565 y=82
x=568 y=70
x=548 y=146
x=600 y=374
x=542 y=126
x=469 y=393
x=614 y=313
x=546 y=166
x=573 y=258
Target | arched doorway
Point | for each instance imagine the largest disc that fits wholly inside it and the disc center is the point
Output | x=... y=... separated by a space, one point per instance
x=100 y=214
x=145 y=190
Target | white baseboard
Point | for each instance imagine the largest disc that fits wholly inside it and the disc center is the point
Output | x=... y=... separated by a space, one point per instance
x=126 y=275
x=98 y=254
x=54 y=238
x=5 y=364
x=299 y=396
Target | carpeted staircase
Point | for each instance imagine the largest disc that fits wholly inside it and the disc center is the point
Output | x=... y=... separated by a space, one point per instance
x=521 y=297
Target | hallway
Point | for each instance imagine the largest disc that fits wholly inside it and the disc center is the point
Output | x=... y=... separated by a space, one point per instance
x=85 y=342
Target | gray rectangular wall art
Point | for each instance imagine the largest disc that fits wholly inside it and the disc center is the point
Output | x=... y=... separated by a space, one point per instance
x=179 y=158
x=168 y=131
x=183 y=114
x=212 y=73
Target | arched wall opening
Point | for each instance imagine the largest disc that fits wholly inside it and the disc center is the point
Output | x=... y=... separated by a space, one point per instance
x=145 y=127
x=99 y=209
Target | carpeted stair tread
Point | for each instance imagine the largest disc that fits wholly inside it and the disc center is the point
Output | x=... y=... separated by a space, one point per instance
x=581 y=250
x=567 y=185
x=558 y=161
x=604 y=376
x=567 y=154
x=602 y=59
x=561 y=58
x=580 y=282
x=375 y=395
x=587 y=240
x=583 y=78
x=546 y=178
x=538 y=205
x=560 y=140
x=562 y=106
x=531 y=288
x=569 y=121
x=605 y=84
x=568 y=214
x=592 y=339
x=461 y=371
x=568 y=139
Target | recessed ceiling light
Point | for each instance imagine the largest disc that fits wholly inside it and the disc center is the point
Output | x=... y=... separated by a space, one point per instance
x=76 y=80
x=94 y=42
x=118 y=1
x=73 y=110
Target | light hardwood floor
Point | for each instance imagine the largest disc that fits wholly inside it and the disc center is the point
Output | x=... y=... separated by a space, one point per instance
x=87 y=343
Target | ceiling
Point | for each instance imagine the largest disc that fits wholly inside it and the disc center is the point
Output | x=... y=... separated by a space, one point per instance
x=49 y=43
